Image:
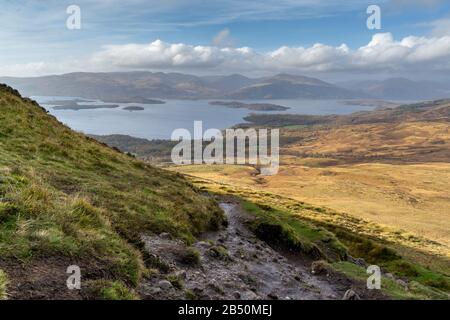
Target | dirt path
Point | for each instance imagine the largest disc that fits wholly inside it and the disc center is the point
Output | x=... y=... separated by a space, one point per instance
x=234 y=264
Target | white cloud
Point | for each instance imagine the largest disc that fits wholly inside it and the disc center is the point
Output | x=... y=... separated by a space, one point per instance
x=440 y=27
x=163 y=55
x=382 y=53
x=26 y=69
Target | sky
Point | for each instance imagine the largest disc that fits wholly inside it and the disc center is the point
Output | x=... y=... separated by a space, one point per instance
x=324 y=38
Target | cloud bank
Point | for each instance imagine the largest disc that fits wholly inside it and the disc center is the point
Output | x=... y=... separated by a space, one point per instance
x=382 y=54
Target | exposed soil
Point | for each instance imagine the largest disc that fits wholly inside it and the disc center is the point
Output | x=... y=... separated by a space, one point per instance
x=45 y=278
x=235 y=264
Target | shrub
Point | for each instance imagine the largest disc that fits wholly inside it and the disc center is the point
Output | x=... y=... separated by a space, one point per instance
x=190 y=257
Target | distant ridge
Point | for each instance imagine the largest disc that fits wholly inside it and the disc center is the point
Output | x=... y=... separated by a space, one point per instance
x=400 y=89
x=143 y=85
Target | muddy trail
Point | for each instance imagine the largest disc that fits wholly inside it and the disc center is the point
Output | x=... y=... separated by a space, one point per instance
x=234 y=264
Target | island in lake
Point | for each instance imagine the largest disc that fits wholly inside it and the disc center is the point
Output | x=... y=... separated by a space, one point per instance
x=133 y=108
x=76 y=106
x=135 y=100
x=66 y=102
x=249 y=106
x=372 y=103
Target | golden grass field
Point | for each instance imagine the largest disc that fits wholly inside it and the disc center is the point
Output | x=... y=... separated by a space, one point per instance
x=413 y=198
x=388 y=176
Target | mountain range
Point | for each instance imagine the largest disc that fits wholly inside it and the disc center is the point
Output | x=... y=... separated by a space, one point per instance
x=129 y=85
x=178 y=86
x=399 y=89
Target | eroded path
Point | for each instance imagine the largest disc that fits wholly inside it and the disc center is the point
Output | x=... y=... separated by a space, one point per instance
x=234 y=264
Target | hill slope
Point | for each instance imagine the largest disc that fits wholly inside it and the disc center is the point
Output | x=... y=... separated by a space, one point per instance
x=66 y=199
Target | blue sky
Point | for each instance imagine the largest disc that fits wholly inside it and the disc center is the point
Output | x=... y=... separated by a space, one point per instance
x=35 y=39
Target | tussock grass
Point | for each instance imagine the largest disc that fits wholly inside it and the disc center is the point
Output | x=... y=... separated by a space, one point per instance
x=110 y=290
x=282 y=228
x=191 y=256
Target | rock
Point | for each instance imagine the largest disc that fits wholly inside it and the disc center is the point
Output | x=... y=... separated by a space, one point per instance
x=272 y=296
x=389 y=276
x=155 y=290
x=402 y=283
x=351 y=295
x=202 y=244
x=358 y=261
x=198 y=290
x=165 y=285
x=165 y=236
x=181 y=274
x=213 y=284
x=250 y=295
x=237 y=295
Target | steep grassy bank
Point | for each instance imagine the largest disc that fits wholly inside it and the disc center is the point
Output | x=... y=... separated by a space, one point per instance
x=65 y=196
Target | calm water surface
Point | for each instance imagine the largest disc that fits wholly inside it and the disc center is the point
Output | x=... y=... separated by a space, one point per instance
x=157 y=121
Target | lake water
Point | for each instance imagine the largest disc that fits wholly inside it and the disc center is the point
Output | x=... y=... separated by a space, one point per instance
x=157 y=121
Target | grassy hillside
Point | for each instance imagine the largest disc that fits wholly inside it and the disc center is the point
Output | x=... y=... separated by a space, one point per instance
x=67 y=199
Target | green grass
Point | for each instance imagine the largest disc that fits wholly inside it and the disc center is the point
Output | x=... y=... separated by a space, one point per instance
x=389 y=286
x=281 y=227
x=175 y=280
x=191 y=256
x=219 y=252
x=375 y=252
x=64 y=194
x=110 y=290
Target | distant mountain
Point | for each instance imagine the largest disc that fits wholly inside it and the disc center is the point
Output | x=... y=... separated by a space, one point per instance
x=228 y=83
x=143 y=85
x=114 y=85
x=285 y=86
x=400 y=89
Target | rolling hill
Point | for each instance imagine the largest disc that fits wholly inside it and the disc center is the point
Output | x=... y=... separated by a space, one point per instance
x=122 y=85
